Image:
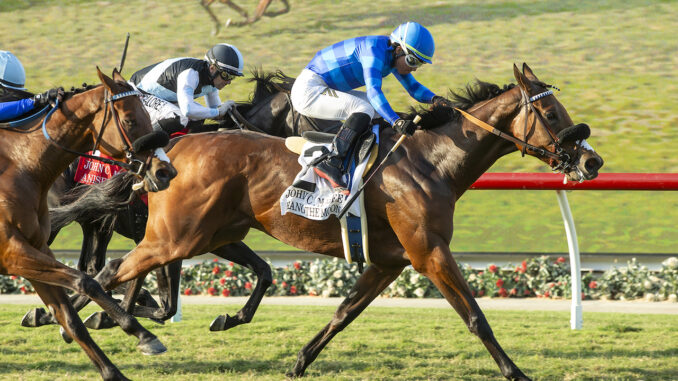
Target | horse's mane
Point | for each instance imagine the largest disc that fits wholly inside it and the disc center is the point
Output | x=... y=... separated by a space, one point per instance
x=463 y=99
x=84 y=87
x=269 y=83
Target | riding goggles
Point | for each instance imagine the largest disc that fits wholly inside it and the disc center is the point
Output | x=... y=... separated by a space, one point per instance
x=413 y=61
x=226 y=76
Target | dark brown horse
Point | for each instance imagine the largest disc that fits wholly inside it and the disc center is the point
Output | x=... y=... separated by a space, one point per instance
x=231 y=182
x=113 y=117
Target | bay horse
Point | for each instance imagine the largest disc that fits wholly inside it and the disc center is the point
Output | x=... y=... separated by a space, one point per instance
x=103 y=208
x=32 y=156
x=235 y=180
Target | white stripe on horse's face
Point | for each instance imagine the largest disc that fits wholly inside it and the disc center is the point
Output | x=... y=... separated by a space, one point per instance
x=585 y=145
x=161 y=155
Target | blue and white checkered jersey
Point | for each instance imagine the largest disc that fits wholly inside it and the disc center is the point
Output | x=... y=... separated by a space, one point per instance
x=364 y=61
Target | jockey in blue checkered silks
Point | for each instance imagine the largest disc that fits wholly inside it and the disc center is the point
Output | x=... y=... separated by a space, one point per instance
x=325 y=88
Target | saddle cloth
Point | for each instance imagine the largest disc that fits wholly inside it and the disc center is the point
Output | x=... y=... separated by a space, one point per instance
x=92 y=171
x=313 y=197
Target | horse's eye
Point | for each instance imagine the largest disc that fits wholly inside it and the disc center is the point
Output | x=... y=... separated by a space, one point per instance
x=551 y=116
x=129 y=123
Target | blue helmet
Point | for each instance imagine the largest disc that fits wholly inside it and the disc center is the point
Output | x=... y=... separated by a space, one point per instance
x=413 y=37
x=12 y=73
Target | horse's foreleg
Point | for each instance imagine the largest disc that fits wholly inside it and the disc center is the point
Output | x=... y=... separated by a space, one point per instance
x=441 y=268
x=370 y=284
x=56 y=300
x=244 y=256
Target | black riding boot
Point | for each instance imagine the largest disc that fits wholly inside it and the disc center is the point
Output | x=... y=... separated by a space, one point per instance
x=332 y=168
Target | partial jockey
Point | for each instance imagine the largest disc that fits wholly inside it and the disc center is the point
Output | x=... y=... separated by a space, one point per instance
x=15 y=101
x=173 y=85
x=325 y=88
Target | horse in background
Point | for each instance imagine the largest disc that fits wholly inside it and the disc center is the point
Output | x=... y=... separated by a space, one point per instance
x=258 y=12
x=112 y=206
x=112 y=116
x=409 y=204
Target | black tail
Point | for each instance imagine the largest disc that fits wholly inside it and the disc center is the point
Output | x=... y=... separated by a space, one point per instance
x=98 y=203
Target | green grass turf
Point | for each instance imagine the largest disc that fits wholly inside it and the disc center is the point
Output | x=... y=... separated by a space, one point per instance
x=382 y=344
x=615 y=61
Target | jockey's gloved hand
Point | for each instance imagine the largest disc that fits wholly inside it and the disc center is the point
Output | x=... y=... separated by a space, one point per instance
x=225 y=107
x=405 y=126
x=441 y=101
x=49 y=96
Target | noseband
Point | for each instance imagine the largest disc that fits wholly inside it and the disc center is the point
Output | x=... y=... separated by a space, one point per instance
x=134 y=165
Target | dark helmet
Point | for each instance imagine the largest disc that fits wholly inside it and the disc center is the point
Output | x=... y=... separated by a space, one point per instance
x=227 y=58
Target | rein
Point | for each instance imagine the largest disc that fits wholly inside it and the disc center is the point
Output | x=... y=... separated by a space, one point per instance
x=129 y=151
x=563 y=158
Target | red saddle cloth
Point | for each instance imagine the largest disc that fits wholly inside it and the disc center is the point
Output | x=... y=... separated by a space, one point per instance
x=91 y=171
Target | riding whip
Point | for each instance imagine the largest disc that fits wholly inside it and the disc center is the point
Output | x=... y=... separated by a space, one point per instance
x=124 y=53
x=350 y=201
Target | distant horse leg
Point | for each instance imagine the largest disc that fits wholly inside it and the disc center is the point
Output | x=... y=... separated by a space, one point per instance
x=244 y=256
x=206 y=4
x=370 y=284
x=280 y=12
x=35 y=264
x=57 y=301
x=441 y=268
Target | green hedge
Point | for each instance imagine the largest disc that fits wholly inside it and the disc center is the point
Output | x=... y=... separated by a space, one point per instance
x=536 y=277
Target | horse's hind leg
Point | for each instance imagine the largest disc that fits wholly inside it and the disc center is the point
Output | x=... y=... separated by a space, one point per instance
x=370 y=284
x=56 y=300
x=441 y=268
x=34 y=264
x=244 y=256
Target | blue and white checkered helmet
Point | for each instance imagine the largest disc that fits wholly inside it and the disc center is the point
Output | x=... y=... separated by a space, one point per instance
x=416 y=39
x=12 y=73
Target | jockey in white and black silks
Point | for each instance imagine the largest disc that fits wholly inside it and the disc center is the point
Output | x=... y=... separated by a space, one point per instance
x=171 y=87
x=15 y=101
x=325 y=88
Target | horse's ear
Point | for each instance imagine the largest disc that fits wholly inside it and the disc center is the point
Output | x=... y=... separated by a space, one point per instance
x=106 y=81
x=117 y=76
x=529 y=74
x=520 y=77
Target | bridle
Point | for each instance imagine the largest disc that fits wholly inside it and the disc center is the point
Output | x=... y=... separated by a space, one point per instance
x=136 y=166
x=564 y=161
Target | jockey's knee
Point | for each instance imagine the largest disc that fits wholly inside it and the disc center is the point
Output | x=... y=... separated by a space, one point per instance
x=169 y=125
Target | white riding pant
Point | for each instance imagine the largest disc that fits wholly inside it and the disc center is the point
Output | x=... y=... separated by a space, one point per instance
x=159 y=109
x=313 y=98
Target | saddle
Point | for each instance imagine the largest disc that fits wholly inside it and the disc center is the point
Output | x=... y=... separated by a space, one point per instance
x=353 y=225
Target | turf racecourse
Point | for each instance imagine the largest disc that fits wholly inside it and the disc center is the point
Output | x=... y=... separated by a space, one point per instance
x=382 y=344
x=615 y=62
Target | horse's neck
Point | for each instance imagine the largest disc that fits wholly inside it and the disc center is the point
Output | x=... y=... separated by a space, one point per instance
x=68 y=126
x=462 y=151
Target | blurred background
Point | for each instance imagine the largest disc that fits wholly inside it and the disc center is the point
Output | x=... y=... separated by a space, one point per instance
x=616 y=63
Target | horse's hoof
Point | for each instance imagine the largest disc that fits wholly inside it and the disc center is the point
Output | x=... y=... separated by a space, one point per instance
x=64 y=335
x=152 y=347
x=99 y=320
x=159 y=321
x=32 y=317
x=218 y=323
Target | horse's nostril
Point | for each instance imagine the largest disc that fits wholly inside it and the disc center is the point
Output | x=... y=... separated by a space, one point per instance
x=593 y=164
x=162 y=175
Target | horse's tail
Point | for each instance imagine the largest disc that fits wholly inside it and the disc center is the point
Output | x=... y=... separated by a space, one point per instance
x=98 y=203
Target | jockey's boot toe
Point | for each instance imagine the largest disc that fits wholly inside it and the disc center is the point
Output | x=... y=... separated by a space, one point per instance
x=332 y=174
